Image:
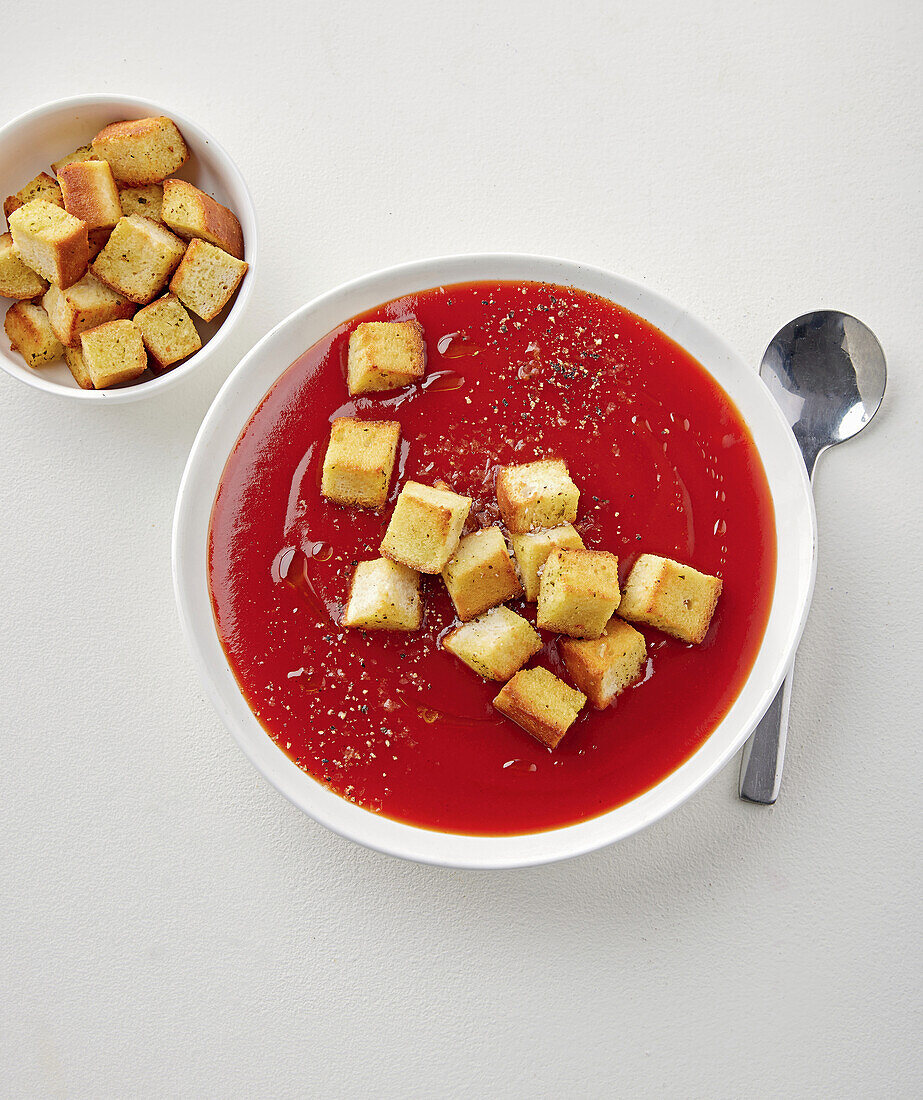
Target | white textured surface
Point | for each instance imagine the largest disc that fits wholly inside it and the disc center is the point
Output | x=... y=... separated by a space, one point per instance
x=168 y=924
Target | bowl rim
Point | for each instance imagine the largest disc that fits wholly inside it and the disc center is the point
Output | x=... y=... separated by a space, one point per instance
x=206 y=462
x=248 y=218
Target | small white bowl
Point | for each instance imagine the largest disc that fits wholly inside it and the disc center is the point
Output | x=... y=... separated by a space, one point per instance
x=31 y=142
x=243 y=391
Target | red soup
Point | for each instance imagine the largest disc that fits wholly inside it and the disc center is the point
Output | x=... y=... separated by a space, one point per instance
x=515 y=372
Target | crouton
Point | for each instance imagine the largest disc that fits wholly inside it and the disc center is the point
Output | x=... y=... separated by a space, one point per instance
x=495 y=644
x=674 y=598
x=50 y=241
x=385 y=355
x=360 y=461
x=603 y=667
x=16 y=279
x=138 y=259
x=384 y=595
x=167 y=331
x=542 y=704
x=142 y=150
x=97 y=239
x=189 y=212
x=42 y=187
x=532 y=552
x=146 y=201
x=578 y=591
x=535 y=495
x=74 y=359
x=85 y=152
x=30 y=334
x=90 y=193
x=425 y=527
x=206 y=279
x=83 y=306
x=113 y=353
x=481 y=574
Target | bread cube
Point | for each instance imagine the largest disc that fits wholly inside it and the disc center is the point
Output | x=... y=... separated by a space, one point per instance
x=384 y=595
x=190 y=213
x=425 y=527
x=85 y=152
x=536 y=495
x=97 y=240
x=146 y=201
x=74 y=359
x=31 y=335
x=385 y=355
x=42 y=187
x=141 y=151
x=138 y=259
x=532 y=552
x=674 y=598
x=16 y=279
x=495 y=644
x=50 y=241
x=90 y=193
x=481 y=574
x=578 y=591
x=113 y=353
x=83 y=306
x=542 y=704
x=360 y=461
x=167 y=331
x=206 y=279
x=603 y=667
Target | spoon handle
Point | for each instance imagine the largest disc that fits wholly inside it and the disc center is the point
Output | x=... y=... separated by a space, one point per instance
x=761 y=764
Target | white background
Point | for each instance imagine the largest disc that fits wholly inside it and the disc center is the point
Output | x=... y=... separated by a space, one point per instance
x=169 y=925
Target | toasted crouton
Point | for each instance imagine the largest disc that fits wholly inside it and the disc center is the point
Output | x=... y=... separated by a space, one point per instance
x=42 y=187
x=360 y=461
x=30 y=334
x=90 y=193
x=674 y=598
x=97 y=239
x=113 y=353
x=495 y=644
x=85 y=305
x=146 y=201
x=532 y=552
x=578 y=592
x=16 y=279
x=189 y=212
x=425 y=527
x=50 y=241
x=206 y=279
x=167 y=331
x=481 y=574
x=542 y=704
x=384 y=595
x=138 y=259
x=85 y=152
x=603 y=667
x=74 y=359
x=141 y=151
x=385 y=355
x=535 y=495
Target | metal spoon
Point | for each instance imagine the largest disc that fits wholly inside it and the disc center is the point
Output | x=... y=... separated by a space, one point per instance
x=827 y=372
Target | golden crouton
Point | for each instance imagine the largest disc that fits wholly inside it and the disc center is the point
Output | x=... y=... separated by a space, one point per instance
x=50 y=241
x=42 y=187
x=578 y=591
x=384 y=595
x=85 y=152
x=141 y=151
x=167 y=331
x=16 y=279
x=495 y=644
x=481 y=574
x=138 y=259
x=74 y=359
x=206 y=279
x=97 y=239
x=360 y=461
x=30 y=334
x=146 y=201
x=536 y=494
x=603 y=667
x=85 y=305
x=542 y=704
x=90 y=193
x=189 y=212
x=532 y=552
x=385 y=355
x=425 y=527
x=113 y=353
x=674 y=598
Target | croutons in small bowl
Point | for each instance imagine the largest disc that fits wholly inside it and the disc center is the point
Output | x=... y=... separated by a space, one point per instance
x=86 y=247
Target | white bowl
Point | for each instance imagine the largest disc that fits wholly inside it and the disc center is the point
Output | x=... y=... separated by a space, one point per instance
x=31 y=142
x=243 y=391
